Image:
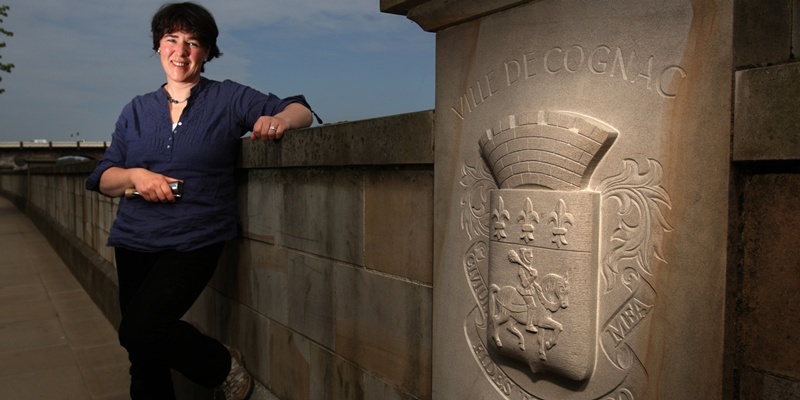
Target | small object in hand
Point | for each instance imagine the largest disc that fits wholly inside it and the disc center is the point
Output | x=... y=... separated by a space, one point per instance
x=177 y=190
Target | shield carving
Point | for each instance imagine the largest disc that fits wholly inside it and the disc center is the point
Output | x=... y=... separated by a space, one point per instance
x=544 y=241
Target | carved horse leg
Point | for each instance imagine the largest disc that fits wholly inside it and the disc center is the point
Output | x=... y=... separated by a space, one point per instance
x=557 y=328
x=497 y=319
x=513 y=329
x=540 y=337
x=548 y=336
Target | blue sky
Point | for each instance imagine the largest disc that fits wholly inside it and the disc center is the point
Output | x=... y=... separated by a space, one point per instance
x=79 y=62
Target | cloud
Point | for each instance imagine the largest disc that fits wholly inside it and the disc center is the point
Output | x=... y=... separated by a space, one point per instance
x=302 y=16
x=78 y=63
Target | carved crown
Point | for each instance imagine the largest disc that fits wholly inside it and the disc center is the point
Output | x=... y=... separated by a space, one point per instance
x=553 y=150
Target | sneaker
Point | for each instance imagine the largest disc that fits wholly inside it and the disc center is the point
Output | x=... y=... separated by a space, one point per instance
x=239 y=384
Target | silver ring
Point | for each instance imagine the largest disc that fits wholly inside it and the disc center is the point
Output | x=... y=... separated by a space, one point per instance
x=272 y=128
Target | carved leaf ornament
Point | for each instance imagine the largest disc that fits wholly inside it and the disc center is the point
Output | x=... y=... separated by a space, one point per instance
x=477 y=182
x=641 y=224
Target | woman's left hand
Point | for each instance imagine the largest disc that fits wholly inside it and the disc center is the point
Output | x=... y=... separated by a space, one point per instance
x=269 y=128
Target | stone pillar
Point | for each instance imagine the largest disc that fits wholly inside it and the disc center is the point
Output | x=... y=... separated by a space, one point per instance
x=581 y=190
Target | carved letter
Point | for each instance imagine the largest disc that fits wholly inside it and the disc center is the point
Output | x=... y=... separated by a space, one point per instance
x=663 y=77
x=546 y=56
x=573 y=49
x=514 y=63
x=525 y=62
x=618 y=60
x=462 y=100
x=640 y=308
x=616 y=334
x=489 y=78
x=601 y=65
x=646 y=74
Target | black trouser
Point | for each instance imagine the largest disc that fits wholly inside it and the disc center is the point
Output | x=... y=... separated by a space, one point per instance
x=156 y=290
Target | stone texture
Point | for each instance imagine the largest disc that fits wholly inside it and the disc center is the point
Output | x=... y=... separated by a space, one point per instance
x=767 y=114
x=763 y=34
x=335 y=378
x=311 y=298
x=256 y=274
x=771 y=271
x=656 y=76
x=759 y=385
x=398 y=139
x=398 y=214
x=435 y=15
x=383 y=325
x=289 y=360
x=311 y=210
x=400 y=7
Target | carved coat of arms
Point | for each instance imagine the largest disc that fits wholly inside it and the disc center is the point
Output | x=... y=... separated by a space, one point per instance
x=535 y=265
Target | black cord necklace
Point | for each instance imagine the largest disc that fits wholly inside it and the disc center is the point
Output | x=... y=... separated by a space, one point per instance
x=173 y=101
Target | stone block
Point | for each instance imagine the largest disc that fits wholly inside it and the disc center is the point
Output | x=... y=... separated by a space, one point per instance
x=756 y=384
x=762 y=32
x=311 y=297
x=397 y=139
x=767 y=114
x=316 y=211
x=795 y=27
x=233 y=275
x=399 y=219
x=335 y=378
x=770 y=312
x=255 y=274
x=289 y=358
x=383 y=325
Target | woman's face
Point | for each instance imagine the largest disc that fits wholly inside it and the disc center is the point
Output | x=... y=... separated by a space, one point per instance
x=182 y=57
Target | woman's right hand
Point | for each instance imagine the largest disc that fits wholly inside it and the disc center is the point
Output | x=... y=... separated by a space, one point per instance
x=152 y=187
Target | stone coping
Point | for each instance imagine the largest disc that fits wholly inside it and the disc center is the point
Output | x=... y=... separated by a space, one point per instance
x=435 y=15
x=403 y=139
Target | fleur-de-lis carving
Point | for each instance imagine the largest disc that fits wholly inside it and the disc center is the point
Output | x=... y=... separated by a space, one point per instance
x=561 y=218
x=499 y=215
x=528 y=217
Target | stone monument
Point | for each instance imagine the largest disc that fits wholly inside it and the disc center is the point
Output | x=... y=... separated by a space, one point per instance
x=582 y=153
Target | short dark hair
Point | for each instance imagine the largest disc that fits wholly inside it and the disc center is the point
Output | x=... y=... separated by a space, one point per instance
x=188 y=17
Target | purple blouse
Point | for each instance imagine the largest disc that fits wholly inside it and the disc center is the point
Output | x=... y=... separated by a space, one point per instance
x=201 y=151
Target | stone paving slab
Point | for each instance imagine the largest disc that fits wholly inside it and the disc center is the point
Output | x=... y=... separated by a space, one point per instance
x=54 y=342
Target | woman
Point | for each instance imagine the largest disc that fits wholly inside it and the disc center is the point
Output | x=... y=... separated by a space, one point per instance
x=167 y=247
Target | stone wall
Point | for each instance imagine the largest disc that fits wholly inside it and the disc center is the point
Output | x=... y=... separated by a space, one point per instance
x=721 y=311
x=763 y=303
x=329 y=291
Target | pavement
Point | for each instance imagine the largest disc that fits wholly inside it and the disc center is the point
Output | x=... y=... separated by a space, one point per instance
x=54 y=342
